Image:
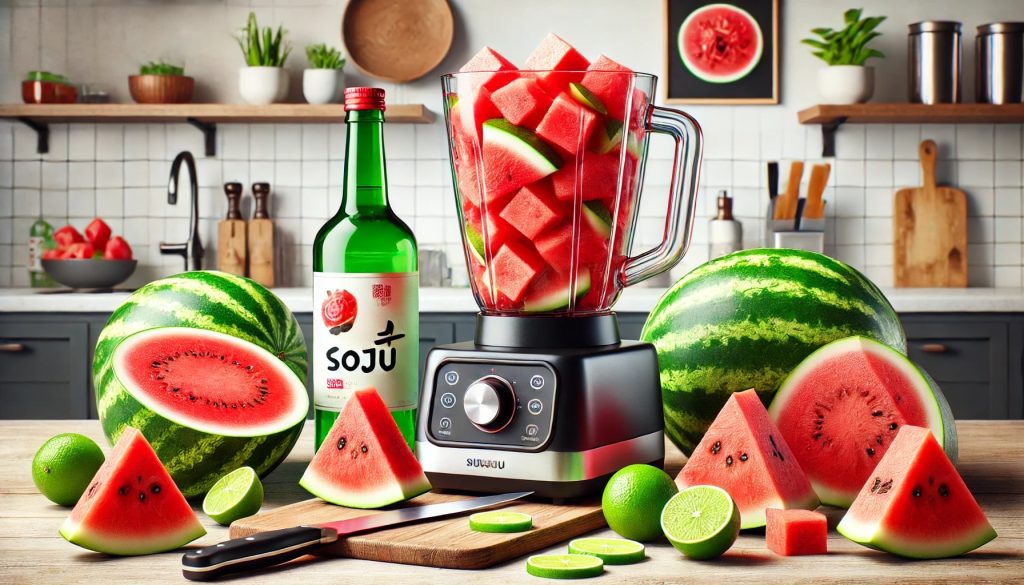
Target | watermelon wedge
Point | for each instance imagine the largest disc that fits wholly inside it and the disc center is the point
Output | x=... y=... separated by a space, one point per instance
x=364 y=462
x=552 y=291
x=512 y=157
x=915 y=504
x=744 y=453
x=132 y=506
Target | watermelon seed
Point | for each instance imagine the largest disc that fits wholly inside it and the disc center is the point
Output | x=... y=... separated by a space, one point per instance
x=92 y=488
x=917 y=491
x=215 y=405
x=363 y=449
x=355 y=454
x=816 y=436
x=175 y=389
x=943 y=490
x=743 y=457
x=728 y=461
x=138 y=479
x=876 y=413
x=235 y=363
x=155 y=489
x=234 y=405
x=142 y=496
x=874 y=486
x=892 y=426
x=263 y=380
x=886 y=486
x=716 y=447
x=249 y=368
x=341 y=443
x=878 y=439
x=871 y=452
x=221 y=358
x=155 y=364
x=177 y=354
x=122 y=490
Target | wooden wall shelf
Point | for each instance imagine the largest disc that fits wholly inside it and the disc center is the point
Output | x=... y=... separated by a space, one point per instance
x=204 y=117
x=830 y=117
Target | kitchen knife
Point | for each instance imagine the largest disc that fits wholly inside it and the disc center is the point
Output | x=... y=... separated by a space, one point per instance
x=267 y=549
x=814 y=209
x=773 y=180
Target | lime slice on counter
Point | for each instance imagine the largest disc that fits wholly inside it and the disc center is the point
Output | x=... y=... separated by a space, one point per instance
x=702 y=521
x=613 y=551
x=500 y=521
x=564 y=566
x=236 y=495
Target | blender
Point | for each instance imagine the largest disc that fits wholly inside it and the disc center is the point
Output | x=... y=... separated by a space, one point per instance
x=547 y=397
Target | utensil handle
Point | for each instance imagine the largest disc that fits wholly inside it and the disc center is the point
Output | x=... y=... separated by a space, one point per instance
x=933 y=348
x=929 y=152
x=683 y=189
x=11 y=347
x=258 y=551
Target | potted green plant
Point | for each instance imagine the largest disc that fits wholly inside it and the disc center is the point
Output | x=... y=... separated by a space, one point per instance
x=847 y=80
x=323 y=81
x=160 y=82
x=264 y=79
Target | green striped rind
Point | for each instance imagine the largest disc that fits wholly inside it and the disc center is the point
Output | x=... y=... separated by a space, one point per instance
x=745 y=320
x=213 y=301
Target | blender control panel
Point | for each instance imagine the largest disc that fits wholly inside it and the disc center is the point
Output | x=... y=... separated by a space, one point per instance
x=497 y=404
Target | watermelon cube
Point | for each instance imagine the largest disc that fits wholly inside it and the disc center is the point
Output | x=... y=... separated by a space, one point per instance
x=551 y=58
x=567 y=124
x=599 y=178
x=610 y=82
x=533 y=209
x=512 y=157
x=492 y=70
x=555 y=247
x=522 y=102
x=473 y=109
x=515 y=266
x=796 y=532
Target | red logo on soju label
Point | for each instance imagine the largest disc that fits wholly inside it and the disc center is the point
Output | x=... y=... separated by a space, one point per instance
x=338 y=311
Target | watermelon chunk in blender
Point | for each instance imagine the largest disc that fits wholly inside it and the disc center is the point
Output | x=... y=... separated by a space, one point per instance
x=548 y=213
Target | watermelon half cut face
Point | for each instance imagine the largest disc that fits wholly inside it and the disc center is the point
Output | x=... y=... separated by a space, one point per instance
x=720 y=43
x=842 y=407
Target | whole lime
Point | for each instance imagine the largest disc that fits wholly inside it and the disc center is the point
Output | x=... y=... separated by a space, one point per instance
x=633 y=500
x=64 y=465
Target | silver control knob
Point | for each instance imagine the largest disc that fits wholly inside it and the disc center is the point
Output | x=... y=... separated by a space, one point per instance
x=489 y=403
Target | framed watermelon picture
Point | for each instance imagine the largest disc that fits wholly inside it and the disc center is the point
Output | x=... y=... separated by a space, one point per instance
x=722 y=51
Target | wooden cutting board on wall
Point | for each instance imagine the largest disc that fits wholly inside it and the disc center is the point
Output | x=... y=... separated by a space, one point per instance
x=930 y=231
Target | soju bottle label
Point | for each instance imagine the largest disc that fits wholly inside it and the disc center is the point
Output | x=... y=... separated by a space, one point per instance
x=35 y=253
x=365 y=334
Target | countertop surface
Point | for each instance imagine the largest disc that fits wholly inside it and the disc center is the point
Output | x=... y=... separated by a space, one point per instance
x=460 y=300
x=991 y=461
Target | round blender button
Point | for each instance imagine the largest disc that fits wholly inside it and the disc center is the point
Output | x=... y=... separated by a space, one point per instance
x=489 y=403
x=451 y=377
x=535 y=406
x=537 y=382
x=447 y=400
x=445 y=423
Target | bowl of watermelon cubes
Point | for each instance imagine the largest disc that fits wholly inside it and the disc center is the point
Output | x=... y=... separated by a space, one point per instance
x=548 y=162
x=95 y=260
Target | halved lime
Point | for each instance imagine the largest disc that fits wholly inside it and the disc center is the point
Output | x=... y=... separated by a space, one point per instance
x=500 y=521
x=564 y=566
x=613 y=551
x=702 y=521
x=236 y=495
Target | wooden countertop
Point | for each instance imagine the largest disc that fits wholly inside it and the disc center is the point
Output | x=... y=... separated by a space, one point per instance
x=991 y=461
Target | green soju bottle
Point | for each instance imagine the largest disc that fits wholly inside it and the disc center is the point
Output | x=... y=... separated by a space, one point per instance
x=365 y=283
x=40 y=239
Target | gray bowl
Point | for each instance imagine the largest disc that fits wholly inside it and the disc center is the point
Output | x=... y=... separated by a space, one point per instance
x=92 y=273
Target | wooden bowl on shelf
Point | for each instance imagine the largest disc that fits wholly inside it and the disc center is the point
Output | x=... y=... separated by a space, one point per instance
x=161 y=89
x=397 y=40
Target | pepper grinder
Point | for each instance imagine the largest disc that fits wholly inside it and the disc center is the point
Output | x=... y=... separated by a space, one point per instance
x=231 y=234
x=261 y=238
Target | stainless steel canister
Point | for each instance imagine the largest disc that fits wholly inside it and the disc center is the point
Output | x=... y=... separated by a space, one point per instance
x=999 y=75
x=933 y=62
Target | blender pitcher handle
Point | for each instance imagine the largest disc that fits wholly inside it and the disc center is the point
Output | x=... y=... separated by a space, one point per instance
x=685 y=174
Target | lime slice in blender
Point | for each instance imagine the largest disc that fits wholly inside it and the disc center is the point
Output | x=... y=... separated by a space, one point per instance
x=236 y=495
x=500 y=521
x=702 y=521
x=613 y=551
x=564 y=566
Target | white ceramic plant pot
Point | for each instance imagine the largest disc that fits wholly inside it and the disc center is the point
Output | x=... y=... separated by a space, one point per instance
x=846 y=84
x=323 y=86
x=262 y=85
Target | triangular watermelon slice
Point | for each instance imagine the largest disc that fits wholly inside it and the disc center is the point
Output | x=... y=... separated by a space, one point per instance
x=132 y=506
x=915 y=504
x=556 y=64
x=512 y=157
x=364 y=462
x=491 y=69
x=744 y=454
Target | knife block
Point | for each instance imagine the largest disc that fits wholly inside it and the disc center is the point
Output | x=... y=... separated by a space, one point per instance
x=785 y=233
x=261 y=238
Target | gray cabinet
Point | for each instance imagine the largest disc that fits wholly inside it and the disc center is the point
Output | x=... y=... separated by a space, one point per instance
x=43 y=370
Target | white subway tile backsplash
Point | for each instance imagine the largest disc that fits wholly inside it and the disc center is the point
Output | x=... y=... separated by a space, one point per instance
x=972 y=173
x=1007 y=229
x=906 y=173
x=878 y=230
x=878 y=141
x=26 y=203
x=850 y=142
x=6 y=173
x=81 y=203
x=261 y=142
x=234 y=142
x=55 y=204
x=288 y=142
x=974 y=141
x=981 y=202
x=24 y=143
x=1008 y=202
x=58 y=143
x=848 y=173
x=6 y=203
x=878 y=173
x=314 y=203
x=287 y=173
x=82 y=142
x=136 y=173
x=110 y=203
x=1007 y=254
x=314 y=142
x=109 y=142
x=109 y=174
x=55 y=175
x=157 y=137
x=1007 y=276
x=314 y=173
x=27 y=173
x=81 y=174
x=1007 y=173
x=1007 y=142
x=136 y=142
x=906 y=141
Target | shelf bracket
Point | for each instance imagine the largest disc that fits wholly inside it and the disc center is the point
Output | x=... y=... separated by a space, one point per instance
x=828 y=136
x=209 y=131
x=42 y=134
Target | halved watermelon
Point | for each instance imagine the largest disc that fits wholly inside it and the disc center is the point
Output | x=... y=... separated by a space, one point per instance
x=567 y=125
x=551 y=59
x=533 y=209
x=744 y=453
x=842 y=406
x=132 y=506
x=493 y=70
x=522 y=102
x=552 y=291
x=915 y=504
x=515 y=267
x=364 y=462
x=513 y=157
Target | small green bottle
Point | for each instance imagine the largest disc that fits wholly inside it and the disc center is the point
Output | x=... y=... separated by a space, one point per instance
x=365 y=284
x=40 y=239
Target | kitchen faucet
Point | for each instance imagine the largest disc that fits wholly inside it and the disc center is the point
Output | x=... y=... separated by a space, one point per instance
x=192 y=249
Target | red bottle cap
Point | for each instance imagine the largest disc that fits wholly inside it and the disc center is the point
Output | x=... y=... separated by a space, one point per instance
x=364 y=98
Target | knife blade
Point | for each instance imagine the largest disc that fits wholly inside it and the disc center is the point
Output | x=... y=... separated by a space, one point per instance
x=267 y=549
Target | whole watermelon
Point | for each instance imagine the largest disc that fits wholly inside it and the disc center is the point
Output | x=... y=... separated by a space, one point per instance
x=746 y=319
x=211 y=301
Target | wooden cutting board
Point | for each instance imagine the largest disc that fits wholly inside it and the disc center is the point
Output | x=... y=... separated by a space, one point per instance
x=930 y=231
x=446 y=543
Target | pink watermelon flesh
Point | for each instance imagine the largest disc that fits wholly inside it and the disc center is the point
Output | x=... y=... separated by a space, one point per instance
x=599 y=178
x=744 y=454
x=512 y=157
x=522 y=102
x=796 y=532
x=610 y=82
x=132 y=506
x=915 y=504
x=550 y=61
x=567 y=125
x=842 y=406
x=515 y=266
x=492 y=70
x=173 y=371
x=364 y=462
x=533 y=209
x=474 y=108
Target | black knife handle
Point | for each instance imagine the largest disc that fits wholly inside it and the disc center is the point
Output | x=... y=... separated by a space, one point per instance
x=773 y=179
x=264 y=549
